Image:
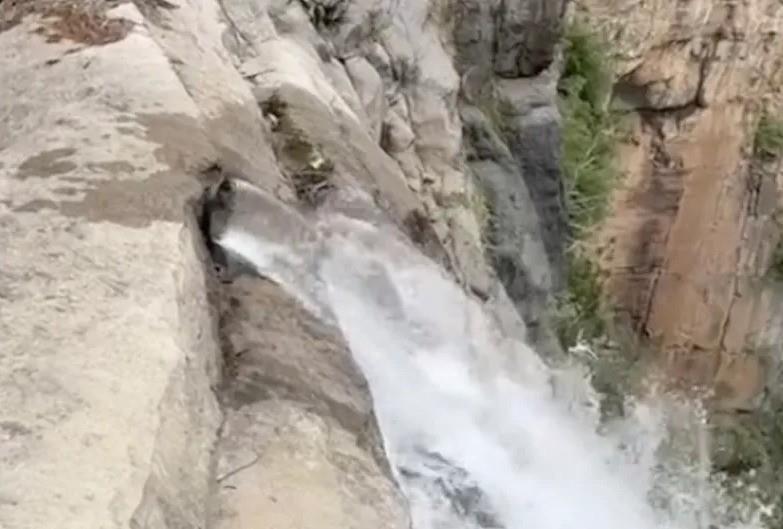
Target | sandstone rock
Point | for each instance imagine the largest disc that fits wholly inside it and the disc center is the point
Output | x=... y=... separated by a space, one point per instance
x=698 y=72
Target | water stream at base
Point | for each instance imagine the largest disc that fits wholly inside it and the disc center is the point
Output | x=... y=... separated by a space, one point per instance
x=480 y=433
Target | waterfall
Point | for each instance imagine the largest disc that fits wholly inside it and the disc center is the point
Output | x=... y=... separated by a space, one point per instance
x=479 y=431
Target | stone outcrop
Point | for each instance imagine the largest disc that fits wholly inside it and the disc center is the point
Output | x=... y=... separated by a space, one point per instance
x=691 y=237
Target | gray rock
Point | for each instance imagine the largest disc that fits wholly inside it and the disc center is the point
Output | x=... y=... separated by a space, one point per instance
x=369 y=87
x=115 y=424
x=397 y=135
x=527 y=36
x=109 y=351
x=100 y=175
x=536 y=149
x=511 y=133
x=300 y=445
x=515 y=38
x=516 y=235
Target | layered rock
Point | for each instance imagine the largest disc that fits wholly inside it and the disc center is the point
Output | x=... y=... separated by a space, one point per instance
x=690 y=240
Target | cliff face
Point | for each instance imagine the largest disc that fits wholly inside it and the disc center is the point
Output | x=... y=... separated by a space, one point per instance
x=141 y=388
x=693 y=230
x=507 y=55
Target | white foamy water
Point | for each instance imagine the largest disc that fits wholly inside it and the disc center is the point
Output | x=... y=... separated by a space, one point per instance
x=480 y=432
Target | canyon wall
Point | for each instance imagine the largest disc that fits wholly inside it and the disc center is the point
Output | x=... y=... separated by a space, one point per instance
x=689 y=244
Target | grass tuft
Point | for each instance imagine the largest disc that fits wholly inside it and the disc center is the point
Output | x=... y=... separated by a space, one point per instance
x=768 y=140
x=590 y=131
x=775 y=270
x=590 y=135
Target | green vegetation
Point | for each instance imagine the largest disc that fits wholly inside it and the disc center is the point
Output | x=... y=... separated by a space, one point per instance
x=776 y=263
x=768 y=140
x=590 y=134
x=590 y=131
x=768 y=147
x=747 y=452
x=580 y=314
x=310 y=171
x=479 y=204
x=747 y=457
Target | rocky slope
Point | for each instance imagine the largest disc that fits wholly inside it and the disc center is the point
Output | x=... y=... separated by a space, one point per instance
x=140 y=386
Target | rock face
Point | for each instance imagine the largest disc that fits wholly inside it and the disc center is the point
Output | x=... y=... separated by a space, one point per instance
x=109 y=352
x=691 y=238
x=112 y=353
x=506 y=55
x=299 y=446
x=137 y=390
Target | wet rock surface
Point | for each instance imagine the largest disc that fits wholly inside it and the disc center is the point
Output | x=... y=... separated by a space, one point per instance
x=440 y=477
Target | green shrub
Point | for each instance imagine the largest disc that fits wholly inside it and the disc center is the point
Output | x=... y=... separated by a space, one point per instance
x=589 y=135
x=580 y=314
x=482 y=211
x=590 y=131
x=587 y=66
x=768 y=140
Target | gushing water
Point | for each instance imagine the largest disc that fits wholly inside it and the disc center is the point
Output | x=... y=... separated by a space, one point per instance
x=479 y=431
